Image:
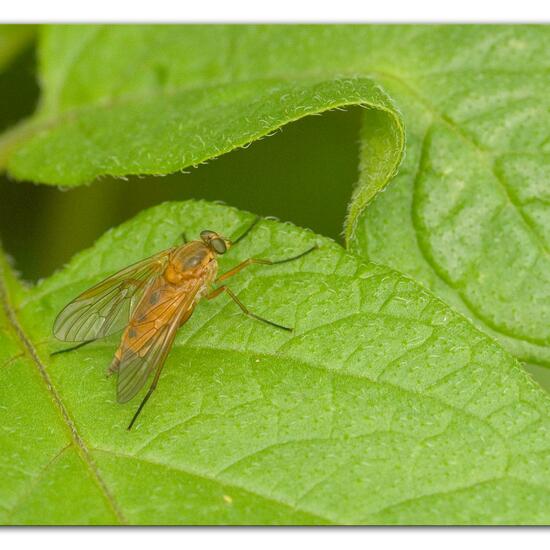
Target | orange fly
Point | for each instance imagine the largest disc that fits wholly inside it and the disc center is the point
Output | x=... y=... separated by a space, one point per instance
x=150 y=300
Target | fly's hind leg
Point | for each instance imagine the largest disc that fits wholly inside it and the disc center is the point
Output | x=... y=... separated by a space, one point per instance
x=147 y=395
x=243 y=308
x=240 y=267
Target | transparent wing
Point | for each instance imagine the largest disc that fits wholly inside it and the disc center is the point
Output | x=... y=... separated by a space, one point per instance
x=148 y=350
x=106 y=307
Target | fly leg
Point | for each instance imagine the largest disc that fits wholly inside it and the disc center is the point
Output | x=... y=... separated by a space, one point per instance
x=243 y=308
x=240 y=267
x=247 y=231
x=147 y=395
x=252 y=261
x=73 y=348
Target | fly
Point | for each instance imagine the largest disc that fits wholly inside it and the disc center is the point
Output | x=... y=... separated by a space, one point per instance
x=149 y=301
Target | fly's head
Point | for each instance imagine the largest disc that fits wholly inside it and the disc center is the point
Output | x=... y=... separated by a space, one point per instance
x=215 y=242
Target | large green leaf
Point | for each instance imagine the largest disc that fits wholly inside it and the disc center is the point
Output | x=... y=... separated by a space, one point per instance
x=383 y=406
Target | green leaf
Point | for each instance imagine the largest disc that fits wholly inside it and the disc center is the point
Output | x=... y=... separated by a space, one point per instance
x=469 y=213
x=162 y=121
x=384 y=406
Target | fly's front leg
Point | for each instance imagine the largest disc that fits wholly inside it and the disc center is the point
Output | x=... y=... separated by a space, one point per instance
x=216 y=292
x=252 y=261
x=73 y=348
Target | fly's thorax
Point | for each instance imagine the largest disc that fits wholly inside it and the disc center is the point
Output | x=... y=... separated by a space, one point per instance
x=193 y=260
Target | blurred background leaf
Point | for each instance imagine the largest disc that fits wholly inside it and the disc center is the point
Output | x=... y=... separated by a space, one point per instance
x=18 y=88
x=13 y=39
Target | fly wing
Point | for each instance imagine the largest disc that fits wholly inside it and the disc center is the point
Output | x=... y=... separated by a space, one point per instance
x=148 y=340
x=106 y=307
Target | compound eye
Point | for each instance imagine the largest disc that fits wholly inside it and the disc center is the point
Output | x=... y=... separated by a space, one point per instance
x=219 y=245
x=206 y=235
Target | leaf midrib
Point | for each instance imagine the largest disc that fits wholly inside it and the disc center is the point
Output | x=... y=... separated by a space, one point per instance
x=82 y=450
